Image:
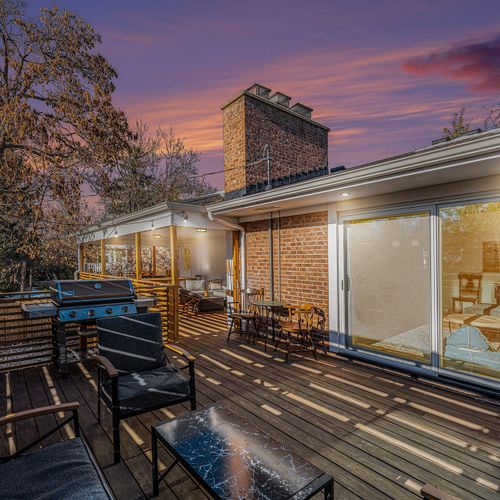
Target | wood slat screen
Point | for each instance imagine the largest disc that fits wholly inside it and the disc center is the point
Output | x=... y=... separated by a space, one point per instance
x=23 y=342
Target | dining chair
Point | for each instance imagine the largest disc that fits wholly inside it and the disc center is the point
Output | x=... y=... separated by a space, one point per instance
x=317 y=329
x=295 y=330
x=244 y=314
x=469 y=290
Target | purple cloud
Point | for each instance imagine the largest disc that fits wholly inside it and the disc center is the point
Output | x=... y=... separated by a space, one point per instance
x=476 y=63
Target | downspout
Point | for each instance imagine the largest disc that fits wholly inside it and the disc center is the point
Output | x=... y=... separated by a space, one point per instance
x=271 y=257
x=279 y=256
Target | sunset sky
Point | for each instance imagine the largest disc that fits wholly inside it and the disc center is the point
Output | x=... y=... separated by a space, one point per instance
x=385 y=76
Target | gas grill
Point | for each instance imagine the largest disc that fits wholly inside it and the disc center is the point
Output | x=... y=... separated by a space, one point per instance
x=82 y=302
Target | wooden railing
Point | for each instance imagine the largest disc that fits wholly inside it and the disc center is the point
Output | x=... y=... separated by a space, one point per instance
x=167 y=299
x=23 y=342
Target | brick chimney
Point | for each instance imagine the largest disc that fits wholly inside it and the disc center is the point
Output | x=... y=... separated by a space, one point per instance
x=253 y=119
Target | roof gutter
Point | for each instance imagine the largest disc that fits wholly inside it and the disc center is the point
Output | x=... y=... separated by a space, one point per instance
x=224 y=222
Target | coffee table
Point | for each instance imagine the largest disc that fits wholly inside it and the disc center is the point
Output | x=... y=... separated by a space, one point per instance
x=231 y=459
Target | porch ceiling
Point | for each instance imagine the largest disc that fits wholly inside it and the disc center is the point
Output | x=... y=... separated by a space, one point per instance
x=161 y=216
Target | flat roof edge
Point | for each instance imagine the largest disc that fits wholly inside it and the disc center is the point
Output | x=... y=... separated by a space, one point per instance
x=274 y=105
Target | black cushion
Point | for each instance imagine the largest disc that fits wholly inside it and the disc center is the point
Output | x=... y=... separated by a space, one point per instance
x=148 y=389
x=132 y=343
x=61 y=471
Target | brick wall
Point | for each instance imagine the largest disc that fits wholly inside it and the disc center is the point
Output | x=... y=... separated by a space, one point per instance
x=297 y=144
x=304 y=257
x=234 y=146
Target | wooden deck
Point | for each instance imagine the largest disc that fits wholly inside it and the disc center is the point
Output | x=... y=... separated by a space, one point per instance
x=378 y=434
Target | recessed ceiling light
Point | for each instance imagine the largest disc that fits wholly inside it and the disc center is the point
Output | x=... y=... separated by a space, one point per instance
x=345 y=195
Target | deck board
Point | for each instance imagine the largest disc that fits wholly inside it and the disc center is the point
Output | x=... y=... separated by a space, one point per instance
x=381 y=435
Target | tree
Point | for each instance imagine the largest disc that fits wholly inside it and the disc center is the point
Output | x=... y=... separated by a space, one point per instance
x=56 y=114
x=493 y=119
x=459 y=125
x=156 y=168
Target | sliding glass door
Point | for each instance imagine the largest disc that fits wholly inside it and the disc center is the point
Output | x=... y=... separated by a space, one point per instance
x=423 y=287
x=470 y=288
x=388 y=285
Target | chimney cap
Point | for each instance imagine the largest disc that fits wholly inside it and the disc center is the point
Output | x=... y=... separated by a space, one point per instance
x=280 y=98
x=302 y=109
x=259 y=90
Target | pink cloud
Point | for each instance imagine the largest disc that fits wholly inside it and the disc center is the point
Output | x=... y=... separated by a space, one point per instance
x=476 y=63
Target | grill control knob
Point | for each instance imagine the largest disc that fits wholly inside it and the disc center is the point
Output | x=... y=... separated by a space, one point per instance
x=91 y=312
x=125 y=309
x=72 y=314
x=109 y=310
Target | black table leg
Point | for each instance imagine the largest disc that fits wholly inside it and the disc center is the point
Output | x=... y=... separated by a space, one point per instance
x=154 y=451
x=328 y=491
x=61 y=348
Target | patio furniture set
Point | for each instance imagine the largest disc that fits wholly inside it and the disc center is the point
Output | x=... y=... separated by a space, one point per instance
x=298 y=328
x=227 y=456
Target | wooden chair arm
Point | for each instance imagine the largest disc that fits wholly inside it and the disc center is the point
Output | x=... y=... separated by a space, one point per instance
x=430 y=492
x=181 y=352
x=107 y=365
x=36 y=412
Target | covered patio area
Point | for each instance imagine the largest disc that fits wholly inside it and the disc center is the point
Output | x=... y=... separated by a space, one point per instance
x=166 y=249
x=167 y=242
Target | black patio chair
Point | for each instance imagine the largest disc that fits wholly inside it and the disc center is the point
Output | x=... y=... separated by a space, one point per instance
x=134 y=373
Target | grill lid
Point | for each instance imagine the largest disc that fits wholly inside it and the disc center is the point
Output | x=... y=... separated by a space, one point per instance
x=66 y=292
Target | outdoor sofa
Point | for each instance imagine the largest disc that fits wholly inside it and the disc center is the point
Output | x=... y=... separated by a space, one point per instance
x=65 y=470
x=209 y=295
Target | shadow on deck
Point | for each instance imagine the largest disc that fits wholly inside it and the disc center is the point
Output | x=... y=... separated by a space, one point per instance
x=379 y=435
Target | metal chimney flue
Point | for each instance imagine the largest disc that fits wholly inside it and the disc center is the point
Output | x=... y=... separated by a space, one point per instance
x=259 y=90
x=281 y=99
x=301 y=109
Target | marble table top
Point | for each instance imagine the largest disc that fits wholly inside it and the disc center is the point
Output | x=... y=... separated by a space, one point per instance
x=235 y=460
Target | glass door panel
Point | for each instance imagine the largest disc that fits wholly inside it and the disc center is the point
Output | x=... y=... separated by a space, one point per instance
x=389 y=282
x=470 y=288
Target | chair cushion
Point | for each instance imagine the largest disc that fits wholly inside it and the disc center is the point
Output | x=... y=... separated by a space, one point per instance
x=195 y=285
x=148 y=389
x=61 y=471
x=132 y=343
x=466 y=344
